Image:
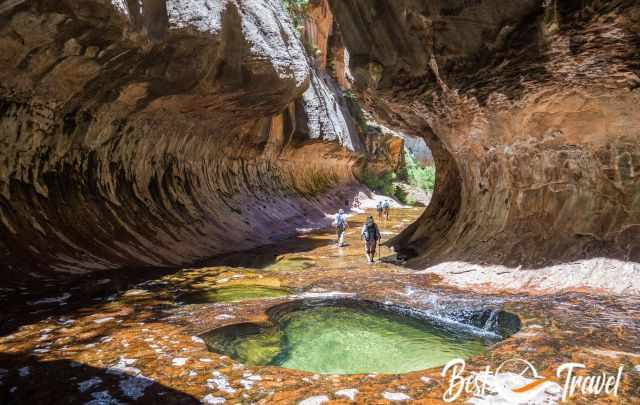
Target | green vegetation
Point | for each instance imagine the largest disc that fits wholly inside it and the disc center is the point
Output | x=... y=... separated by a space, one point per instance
x=386 y=183
x=383 y=184
x=419 y=176
x=296 y=10
x=295 y=4
x=380 y=183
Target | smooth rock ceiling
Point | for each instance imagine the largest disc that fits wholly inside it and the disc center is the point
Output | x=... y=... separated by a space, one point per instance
x=162 y=132
x=156 y=135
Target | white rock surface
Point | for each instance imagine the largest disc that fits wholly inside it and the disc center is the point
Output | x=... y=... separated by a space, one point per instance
x=349 y=393
x=179 y=361
x=316 y=400
x=426 y=380
x=124 y=366
x=266 y=26
x=371 y=201
x=395 y=396
x=590 y=274
x=221 y=383
x=326 y=118
x=212 y=400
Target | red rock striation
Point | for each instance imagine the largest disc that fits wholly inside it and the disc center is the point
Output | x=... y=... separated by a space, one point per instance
x=531 y=109
x=156 y=133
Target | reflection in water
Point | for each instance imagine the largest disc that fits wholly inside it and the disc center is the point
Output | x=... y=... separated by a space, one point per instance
x=346 y=340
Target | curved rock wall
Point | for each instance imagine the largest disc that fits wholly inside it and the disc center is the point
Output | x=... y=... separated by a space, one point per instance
x=152 y=133
x=531 y=111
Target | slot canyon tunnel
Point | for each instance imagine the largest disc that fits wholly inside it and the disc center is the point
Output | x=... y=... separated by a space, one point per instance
x=163 y=134
x=152 y=134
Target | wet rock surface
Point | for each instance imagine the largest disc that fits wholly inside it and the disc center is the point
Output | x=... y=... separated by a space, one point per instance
x=136 y=341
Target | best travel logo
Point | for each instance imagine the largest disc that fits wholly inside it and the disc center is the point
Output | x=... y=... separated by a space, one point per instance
x=517 y=381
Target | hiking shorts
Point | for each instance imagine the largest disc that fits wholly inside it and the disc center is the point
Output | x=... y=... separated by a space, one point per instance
x=370 y=246
x=340 y=230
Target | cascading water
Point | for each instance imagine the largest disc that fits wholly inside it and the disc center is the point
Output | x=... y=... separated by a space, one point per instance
x=490 y=324
x=479 y=316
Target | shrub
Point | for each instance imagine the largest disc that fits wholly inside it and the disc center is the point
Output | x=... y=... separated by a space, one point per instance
x=401 y=195
x=380 y=183
x=419 y=176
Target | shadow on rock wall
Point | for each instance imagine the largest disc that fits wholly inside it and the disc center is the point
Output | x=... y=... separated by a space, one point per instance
x=531 y=114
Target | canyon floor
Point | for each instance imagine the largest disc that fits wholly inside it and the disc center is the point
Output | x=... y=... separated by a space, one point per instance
x=123 y=340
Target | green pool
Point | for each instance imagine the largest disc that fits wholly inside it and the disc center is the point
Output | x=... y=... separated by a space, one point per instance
x=234 y=293
x=345 y=340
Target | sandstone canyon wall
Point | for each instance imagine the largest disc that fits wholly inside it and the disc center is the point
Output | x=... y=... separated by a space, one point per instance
x=330 y=90
x=153 y=133
x=531 y=109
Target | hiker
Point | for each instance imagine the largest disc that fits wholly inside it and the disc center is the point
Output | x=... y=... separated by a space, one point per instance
x=341 y=224
x=379 y=209
x=386 y=206
x=371 y=235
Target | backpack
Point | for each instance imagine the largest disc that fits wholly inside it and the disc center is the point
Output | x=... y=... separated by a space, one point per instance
x=370 y=231
x=340 y=221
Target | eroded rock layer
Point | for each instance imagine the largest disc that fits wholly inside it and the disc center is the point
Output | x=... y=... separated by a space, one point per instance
x=145 y=133
x=531 y=109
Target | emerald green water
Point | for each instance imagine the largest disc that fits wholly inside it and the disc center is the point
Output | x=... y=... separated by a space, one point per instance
x=344 y=340
x=234 y=293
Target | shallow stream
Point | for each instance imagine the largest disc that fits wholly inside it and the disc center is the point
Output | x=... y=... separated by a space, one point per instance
x=141 y=336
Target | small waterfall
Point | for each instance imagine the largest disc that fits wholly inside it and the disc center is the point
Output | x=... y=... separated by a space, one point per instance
x=479 y=316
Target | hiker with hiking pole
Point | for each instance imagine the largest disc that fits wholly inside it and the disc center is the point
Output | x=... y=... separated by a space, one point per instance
x=371 y=236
